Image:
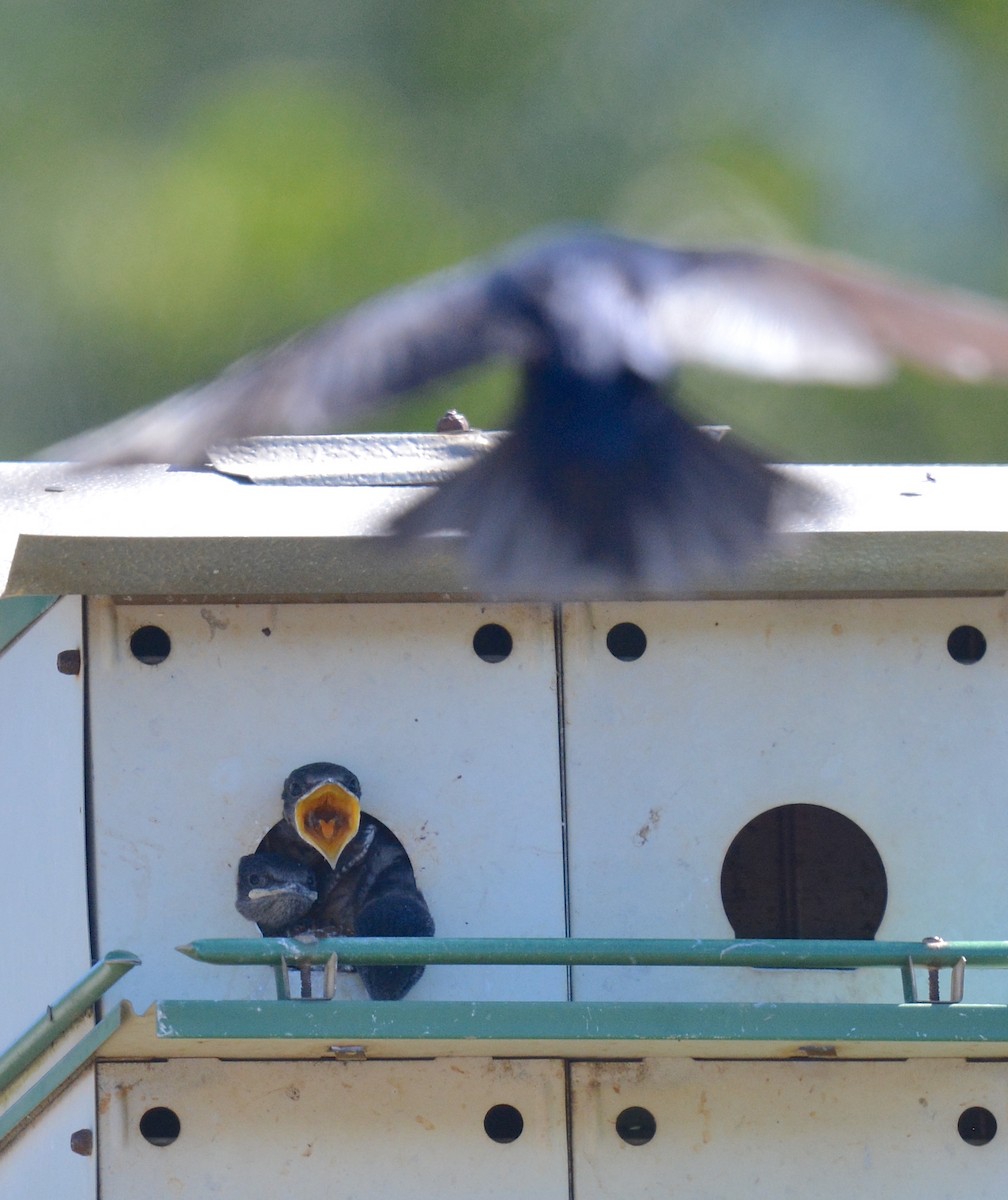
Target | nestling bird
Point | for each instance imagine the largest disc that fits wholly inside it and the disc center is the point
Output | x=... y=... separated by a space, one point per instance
x=275 y=892
x=601 y=484
x=329 y=869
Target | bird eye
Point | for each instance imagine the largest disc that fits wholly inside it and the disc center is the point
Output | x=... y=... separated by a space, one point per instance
x=256 y=881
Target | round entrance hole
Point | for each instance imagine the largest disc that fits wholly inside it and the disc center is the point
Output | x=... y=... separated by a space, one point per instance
x=803 y=871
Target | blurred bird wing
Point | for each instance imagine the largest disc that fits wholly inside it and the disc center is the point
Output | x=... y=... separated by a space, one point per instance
x=612 y=303
x=322 y=378
x=759 y=316
x=944 y=330
x=825 y=321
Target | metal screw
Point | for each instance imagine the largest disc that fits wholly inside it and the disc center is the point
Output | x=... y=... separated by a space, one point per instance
x=68 y=662
x=452 y=422
x=348 y=1053
x=82 y=1142
x=934 y=943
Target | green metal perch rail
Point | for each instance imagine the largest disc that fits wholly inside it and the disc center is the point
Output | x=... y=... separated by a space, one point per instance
x=561 y=1026
x=642 y=952
x=58 y=1018
x=565 y=1026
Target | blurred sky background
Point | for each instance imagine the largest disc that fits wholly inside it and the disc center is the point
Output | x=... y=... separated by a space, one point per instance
x=182 y=182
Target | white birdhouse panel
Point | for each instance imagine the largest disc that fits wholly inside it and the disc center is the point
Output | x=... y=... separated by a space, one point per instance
x=55 y=1156
x=43 y=891
x=446 y=713
x=423 y=1129
x=787 y=1130
x=803 y=768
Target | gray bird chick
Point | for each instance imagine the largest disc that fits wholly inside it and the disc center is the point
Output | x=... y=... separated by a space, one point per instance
x=273 y=891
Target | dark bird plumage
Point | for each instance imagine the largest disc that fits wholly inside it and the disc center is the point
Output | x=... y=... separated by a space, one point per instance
x=274 y=891
x=368 y=890
x=601 y=482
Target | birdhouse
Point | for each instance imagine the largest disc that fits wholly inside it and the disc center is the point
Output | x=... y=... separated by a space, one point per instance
x=715 y=880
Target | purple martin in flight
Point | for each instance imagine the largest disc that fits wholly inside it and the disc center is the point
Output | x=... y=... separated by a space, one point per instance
x=601 y=483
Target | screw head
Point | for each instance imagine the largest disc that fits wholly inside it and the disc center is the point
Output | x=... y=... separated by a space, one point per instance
x=82 y=1142
x=452 y=422
x=68 y=662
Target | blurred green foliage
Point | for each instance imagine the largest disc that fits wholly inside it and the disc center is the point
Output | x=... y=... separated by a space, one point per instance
x=183 y=182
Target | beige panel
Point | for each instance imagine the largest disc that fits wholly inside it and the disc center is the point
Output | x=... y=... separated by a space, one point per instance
x=251 y=1130
x=789 y=1131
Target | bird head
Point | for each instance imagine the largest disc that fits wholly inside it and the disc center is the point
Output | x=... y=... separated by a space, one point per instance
x=274 y=891
x=322 y=802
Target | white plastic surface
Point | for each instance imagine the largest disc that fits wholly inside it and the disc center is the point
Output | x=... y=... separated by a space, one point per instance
x=43 y=888
x=457 y=755
x=40 y=1164
x=738 y=707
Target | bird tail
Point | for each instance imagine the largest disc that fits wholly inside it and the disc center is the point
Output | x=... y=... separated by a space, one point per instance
x=685 y=513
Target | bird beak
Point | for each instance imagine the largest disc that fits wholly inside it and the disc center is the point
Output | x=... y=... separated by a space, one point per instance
x=328 y=818
x=283 y=889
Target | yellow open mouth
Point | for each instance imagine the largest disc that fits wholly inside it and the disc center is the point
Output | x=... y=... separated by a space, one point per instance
x=328 y=818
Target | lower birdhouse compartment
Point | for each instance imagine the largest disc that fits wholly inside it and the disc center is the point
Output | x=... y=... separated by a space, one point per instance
x=243 y=1129
x=511 y=1127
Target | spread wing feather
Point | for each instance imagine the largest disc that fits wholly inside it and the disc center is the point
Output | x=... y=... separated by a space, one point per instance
x=600 y=303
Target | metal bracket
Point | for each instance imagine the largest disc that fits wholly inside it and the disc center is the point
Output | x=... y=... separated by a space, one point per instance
x=956 y=985
x=308 y=973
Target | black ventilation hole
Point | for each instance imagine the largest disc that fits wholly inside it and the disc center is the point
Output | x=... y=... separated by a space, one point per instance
x=636 y=1126
x=150 y=644
x=626 y=641
x=803 y=871
x=966 y=644
x=160 y=1126
x=503 y=1123
x=492 y=643
x=977 y=1126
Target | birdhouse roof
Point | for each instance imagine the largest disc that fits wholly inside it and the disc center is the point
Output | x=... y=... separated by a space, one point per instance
x=303 y=518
